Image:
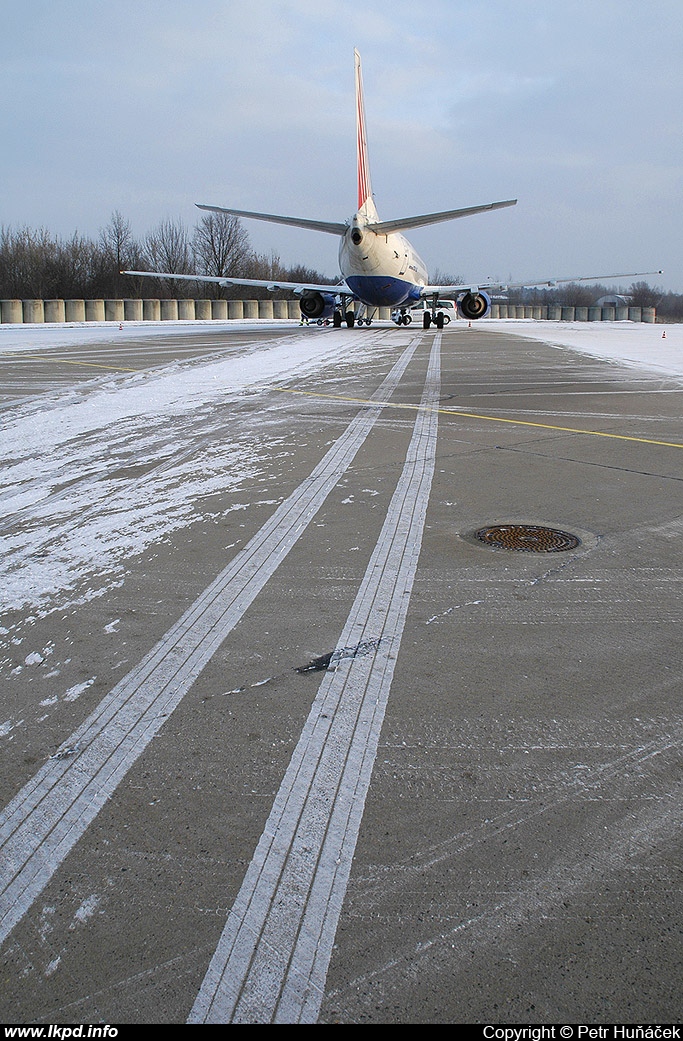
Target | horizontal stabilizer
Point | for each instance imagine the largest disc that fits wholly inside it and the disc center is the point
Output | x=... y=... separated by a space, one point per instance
x=331 y=227
x=403 y=223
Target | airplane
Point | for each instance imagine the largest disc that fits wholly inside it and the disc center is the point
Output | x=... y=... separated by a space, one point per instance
x=378 y=265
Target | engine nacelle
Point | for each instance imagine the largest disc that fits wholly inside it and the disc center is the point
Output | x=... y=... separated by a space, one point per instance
x=474 y=305
x=317 y=305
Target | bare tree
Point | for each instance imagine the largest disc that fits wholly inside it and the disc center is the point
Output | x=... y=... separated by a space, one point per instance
x=118 y=250
x=167 y=248
x=576 y=295
x=76 y=265
x=444 y=278
x=116 y=240
x=220 y=245
x=24 y=260
x=642 y=294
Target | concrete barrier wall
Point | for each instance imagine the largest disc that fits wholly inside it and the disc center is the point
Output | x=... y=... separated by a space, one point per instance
x=55 y=311
x=151 y=310
x=114 y=311
x=34 y=310
x=556 y=313
x=75 y=310
x=134 y=310
x=94 y=311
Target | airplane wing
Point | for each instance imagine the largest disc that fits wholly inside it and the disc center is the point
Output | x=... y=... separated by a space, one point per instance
x=474 y=287
x=298 y=288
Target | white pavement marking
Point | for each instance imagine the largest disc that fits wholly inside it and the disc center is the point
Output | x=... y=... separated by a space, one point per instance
x=48 y=816
x=272 y=959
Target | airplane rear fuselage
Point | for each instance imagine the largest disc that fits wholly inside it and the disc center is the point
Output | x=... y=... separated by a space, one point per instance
x=383 y=270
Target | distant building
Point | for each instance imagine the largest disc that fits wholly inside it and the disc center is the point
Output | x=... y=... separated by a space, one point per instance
x=614 y=300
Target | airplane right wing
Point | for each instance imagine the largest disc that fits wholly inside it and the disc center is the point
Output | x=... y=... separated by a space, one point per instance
x=474 y=287
x=474 y=301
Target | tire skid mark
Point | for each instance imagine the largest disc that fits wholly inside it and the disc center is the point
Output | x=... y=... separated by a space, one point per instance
x=272 y=959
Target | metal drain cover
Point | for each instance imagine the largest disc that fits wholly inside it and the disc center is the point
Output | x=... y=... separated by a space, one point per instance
x=528 y=538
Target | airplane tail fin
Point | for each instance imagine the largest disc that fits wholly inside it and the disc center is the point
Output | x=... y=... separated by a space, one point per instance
x=366 y=204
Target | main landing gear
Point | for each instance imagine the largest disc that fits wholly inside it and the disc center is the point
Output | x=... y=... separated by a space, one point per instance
x=429 y=318
x=439 y=319
x=338 y=319
x=351 y=318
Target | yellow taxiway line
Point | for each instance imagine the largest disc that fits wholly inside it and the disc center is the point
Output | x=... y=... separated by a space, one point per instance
x=489 y=419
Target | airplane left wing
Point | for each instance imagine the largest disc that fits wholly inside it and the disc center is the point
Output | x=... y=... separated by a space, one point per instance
x=298 y=288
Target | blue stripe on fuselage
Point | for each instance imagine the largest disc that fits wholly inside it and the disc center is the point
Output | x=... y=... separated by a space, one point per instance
x=382 y=290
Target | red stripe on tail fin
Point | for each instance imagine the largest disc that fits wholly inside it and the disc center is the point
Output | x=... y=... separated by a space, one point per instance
x=364 y=188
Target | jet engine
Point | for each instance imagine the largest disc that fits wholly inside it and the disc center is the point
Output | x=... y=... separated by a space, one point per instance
x=317 y=305
x=474 y=305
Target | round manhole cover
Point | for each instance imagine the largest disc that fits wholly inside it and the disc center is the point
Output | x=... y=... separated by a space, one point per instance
x=529 y=538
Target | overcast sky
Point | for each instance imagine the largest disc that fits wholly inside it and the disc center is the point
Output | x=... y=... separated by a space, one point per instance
x=573 y=107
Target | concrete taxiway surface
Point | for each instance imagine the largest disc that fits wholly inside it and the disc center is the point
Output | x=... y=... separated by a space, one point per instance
x=318 y=753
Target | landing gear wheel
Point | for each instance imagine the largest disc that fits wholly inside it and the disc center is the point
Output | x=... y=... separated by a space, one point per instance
x=337 y=320
x=350 y=319
x=439 y=320
x=426 y=320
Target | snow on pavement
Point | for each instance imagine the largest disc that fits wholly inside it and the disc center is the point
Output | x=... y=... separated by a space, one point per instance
x=658 y=348
x=73 y=514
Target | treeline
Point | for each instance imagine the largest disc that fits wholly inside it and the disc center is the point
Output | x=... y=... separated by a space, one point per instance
x=39 y=265
x=669 y=305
